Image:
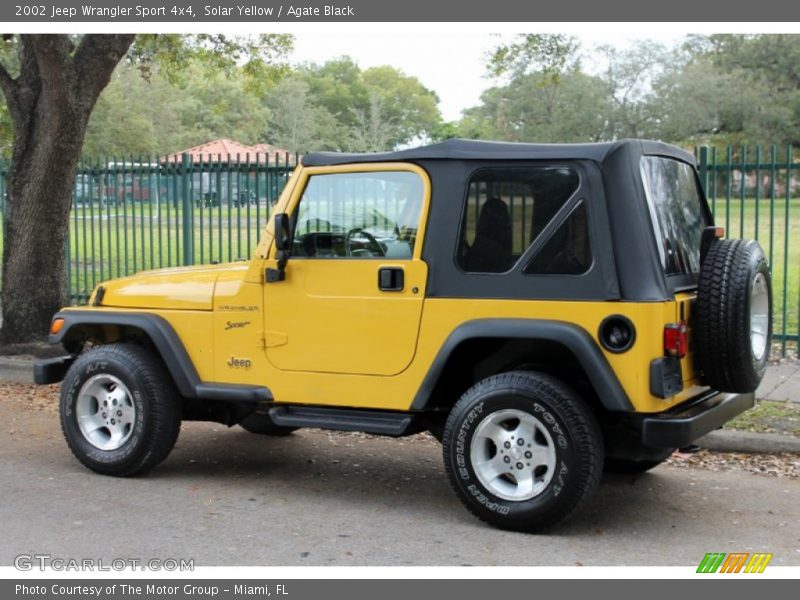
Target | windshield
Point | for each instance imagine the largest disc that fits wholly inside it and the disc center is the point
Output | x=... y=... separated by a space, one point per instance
x=676 y=209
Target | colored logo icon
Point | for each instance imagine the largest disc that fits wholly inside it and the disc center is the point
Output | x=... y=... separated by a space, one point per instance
x=734 y=562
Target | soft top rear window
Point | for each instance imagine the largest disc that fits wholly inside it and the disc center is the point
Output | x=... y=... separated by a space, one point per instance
x=677 y=212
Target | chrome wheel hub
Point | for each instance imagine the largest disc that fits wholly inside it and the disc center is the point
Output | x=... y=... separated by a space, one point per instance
x=105 y=412
x=759 y=316
x=513 y=455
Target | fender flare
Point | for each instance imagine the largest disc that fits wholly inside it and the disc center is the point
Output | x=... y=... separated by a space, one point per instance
x=574 y=338
x=172 y=352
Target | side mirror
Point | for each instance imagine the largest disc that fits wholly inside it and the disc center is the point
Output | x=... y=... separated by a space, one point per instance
x=283 y=232
x=283 y=244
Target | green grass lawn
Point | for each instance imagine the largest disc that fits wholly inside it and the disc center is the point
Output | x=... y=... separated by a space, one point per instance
x=769 y=416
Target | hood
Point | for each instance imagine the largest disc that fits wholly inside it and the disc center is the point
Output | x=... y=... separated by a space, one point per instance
x=179 y=288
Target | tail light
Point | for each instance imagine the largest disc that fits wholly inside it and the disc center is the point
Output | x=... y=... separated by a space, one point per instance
x=675 y=342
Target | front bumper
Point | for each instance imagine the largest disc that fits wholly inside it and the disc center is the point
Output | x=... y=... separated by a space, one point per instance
x=51 y=370
x=691 y=420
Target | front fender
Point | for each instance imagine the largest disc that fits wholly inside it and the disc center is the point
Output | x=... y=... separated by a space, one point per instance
x=161 y=333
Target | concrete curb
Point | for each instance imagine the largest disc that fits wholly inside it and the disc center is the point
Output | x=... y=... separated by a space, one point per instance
x=731 y=440
x=20 y=370
x=16 y=370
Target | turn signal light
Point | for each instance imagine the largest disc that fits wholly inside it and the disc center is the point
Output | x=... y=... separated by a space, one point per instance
x=56 y=326
x=675 y=342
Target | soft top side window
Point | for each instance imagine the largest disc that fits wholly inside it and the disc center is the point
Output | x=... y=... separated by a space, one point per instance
x=505 y=210
x=567 y=251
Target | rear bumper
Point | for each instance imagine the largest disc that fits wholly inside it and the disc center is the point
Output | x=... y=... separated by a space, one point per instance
x=51 y=370
x=693 y=419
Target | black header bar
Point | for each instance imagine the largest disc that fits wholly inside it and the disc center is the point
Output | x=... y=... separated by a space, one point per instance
x=357 y=11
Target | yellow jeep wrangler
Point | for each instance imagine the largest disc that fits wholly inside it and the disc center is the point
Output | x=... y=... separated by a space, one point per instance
x=545 y=311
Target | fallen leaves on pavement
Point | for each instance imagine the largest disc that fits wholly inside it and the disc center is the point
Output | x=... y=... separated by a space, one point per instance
x=31 y=396
x=784 y=464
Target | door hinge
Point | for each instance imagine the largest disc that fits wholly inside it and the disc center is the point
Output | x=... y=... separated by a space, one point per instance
x=274 y=338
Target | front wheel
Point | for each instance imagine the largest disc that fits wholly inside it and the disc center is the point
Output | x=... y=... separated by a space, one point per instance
x=522 y=450
x=119 y=410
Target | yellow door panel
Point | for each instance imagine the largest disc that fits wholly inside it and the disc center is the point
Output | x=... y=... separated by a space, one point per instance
x=333 y=313
x=330 y=316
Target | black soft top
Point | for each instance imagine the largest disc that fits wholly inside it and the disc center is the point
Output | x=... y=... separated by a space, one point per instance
x=458 y=149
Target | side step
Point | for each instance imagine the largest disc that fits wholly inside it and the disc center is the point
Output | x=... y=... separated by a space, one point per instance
x=368 y=421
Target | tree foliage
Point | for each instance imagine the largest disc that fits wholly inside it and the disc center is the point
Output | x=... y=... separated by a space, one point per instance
x=715 y=89
x=544 y=53
x=377 y=108
x=332 y=106
x=533 y=108
x=296 y=122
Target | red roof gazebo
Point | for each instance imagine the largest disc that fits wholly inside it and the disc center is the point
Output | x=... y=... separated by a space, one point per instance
x=229 y=150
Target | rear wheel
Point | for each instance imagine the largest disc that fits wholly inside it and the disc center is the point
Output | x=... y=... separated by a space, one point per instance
x=522 y=450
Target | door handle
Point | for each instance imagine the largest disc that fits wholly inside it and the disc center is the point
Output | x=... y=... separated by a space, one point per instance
x=391 y=279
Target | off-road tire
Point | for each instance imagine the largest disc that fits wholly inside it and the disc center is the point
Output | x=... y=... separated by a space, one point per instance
x=575 y=438
x=722 y=316
x=154 y=403
x=262 y=424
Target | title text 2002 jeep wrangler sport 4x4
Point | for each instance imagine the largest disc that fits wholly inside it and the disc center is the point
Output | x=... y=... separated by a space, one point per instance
x=544 y=310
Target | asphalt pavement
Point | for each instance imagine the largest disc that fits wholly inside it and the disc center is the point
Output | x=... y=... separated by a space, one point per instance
x=227 y=497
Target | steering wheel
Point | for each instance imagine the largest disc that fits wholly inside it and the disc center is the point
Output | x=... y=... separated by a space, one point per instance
x=372 y=244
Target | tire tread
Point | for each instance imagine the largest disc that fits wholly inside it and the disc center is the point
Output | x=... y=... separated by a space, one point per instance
x=586 y=436
x=164 y=409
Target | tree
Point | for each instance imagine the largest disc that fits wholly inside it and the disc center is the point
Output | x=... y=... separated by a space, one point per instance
x=374 y=129
x=532 y=108
x=351 y=96
x=338 y=87
x=215 y=104
x=545 y=53
x=762 y=72
x=50 y=102
x=630 y=75
x=123 y=122
x=446 y=130
x=547 y=97
x=410 y=108
x=694 y=104
x=296 y=123
x=50 y=90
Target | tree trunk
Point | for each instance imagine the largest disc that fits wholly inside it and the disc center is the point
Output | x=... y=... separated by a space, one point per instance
x=50 y=104
x=37 y=225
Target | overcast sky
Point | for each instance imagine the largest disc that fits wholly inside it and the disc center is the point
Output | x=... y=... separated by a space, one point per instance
x=451 y=64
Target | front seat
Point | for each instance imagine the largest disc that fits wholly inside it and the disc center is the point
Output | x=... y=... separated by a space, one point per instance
x=491 y=250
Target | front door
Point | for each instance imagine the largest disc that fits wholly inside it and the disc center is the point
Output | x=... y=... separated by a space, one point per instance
x=355 y=281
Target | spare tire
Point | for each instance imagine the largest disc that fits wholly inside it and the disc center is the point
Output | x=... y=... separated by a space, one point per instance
x=732 y=322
